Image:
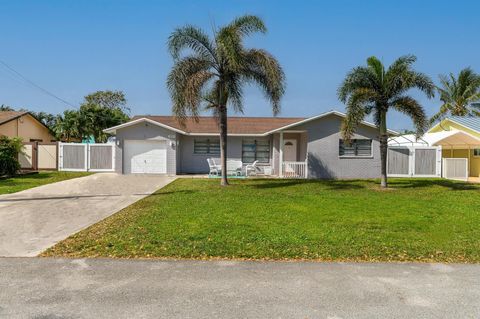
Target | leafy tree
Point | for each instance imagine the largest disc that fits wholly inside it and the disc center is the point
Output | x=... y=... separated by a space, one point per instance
x=47 y=119
x=68 y=127
x=214 y=72
x=459 y=94
x=108 y=99
x=373 y=90
x=94 y=119
x=4 y=108
x=9 y=150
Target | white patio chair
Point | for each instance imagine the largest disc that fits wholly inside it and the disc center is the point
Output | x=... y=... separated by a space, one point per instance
x=234 y=167
x=213 y=168
x=251 y=168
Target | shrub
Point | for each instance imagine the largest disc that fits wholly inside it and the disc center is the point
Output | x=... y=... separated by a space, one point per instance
x=9 y=150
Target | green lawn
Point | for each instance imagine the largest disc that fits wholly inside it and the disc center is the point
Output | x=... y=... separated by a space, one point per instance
x=415 y=220
x=22 y=182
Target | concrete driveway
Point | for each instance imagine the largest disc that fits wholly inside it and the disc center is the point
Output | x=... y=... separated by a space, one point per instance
x=35 y=219
x=102 y=288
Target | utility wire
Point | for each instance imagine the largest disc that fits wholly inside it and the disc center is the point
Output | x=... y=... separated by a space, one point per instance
x=35 y=85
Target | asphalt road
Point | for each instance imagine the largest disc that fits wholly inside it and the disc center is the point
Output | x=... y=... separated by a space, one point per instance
x=101 y=288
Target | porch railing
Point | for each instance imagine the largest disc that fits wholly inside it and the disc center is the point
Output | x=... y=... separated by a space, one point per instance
x=294 y=170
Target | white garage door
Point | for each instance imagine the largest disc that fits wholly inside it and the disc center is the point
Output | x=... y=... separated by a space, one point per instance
x=145 y=157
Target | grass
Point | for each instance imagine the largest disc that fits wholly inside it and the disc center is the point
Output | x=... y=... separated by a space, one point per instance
x=23 y=182
x=415 y=220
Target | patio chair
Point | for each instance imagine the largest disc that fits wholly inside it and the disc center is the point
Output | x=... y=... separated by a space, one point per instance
x=251 y=168
x=234 y=167
x=213 y=168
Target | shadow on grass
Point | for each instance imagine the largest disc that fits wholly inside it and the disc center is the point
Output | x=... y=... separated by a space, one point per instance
x=422 y=183
x=398 y=183
x=326 y=183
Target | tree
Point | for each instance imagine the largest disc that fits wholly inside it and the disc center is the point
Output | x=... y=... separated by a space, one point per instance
x=68 y=127
x=9 y=150
x=94 y=119
x=214 y=72
x=4 y=108
x=459 y=94
x=373 y=90
x=108 y=99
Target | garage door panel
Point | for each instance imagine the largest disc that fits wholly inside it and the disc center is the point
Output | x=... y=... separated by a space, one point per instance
x=145 y=157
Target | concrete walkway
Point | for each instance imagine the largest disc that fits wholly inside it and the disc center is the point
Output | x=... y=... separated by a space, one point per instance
x=37 y=218
x=102 y=288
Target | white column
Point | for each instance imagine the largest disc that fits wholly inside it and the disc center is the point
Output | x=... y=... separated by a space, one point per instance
x=280 y=159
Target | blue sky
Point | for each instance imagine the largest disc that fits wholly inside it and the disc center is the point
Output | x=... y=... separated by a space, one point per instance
x=72 y=48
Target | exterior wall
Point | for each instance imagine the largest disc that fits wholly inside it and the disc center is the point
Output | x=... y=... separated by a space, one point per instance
x=146 y=131
x=323 y=137
x=26 y=127
x=191 y=163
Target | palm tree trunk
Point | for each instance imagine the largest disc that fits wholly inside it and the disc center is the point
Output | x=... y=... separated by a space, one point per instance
x=223 y=143
x=383 y=148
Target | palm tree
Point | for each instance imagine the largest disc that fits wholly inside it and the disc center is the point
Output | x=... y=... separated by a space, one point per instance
x=214 y=72
x=459 y=94
x=373 y=90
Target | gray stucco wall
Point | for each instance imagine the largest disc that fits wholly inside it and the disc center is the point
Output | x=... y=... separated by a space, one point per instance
x=323 y=137
x=146 y=131
x=191 y=163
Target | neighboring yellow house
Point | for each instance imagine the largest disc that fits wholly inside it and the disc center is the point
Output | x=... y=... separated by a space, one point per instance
x=471 y=151
x=24 y=125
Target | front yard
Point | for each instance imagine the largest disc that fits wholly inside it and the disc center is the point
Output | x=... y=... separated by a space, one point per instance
x=415 y=220
x=23 y=182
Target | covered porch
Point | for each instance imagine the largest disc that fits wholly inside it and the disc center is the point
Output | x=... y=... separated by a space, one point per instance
x=289 y=158
x=460 y=154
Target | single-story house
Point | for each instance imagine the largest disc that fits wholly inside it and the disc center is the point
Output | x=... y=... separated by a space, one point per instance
x=282 y=146
x=25 y=126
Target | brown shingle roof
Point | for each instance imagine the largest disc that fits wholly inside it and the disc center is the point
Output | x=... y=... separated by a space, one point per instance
x=235 y=125
x=6 y=116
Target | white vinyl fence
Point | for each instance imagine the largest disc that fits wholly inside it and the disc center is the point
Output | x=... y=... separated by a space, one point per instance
x=455 y=168
x=86 y=157
x=414 y=161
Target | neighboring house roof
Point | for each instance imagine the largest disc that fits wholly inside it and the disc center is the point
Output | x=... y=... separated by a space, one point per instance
x=7 y=116
x=470 y=122
x=208 y=125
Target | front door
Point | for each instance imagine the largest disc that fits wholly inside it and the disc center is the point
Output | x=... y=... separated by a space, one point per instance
x=290 y=150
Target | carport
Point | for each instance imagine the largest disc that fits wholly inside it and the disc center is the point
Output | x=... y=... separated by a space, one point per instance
x=459 y=152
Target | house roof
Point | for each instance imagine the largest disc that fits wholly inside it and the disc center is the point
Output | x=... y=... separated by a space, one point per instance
x=235 y=125
x=7 y=116
x=208 y=125
x=470 y=122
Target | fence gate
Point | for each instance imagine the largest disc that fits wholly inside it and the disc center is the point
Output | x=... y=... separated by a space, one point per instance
x=414 y=161
x=455 y=168
x=86 y=157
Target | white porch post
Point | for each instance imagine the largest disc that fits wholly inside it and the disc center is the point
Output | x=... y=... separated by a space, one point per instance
x=469 y=161
x=280 y=160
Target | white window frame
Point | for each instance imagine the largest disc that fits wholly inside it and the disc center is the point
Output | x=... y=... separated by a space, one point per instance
x=356 y=156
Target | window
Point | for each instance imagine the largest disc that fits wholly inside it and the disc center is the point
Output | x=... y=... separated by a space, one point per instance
x=206 y=146
x=476 y=152
x=356 y=148
x=36 y=140
x=256 y=150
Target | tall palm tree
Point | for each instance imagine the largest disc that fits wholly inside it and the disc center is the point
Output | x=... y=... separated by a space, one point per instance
x=214 y=71
x=459 y=94
x=372 y=89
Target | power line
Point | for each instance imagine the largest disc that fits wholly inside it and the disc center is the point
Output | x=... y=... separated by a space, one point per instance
x=35 y=85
